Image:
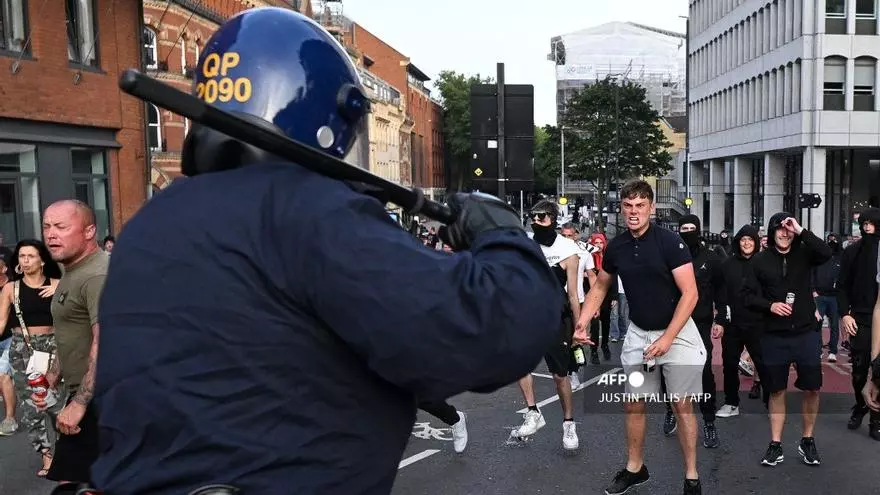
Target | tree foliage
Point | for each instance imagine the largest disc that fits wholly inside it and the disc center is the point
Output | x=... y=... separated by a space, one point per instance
x=455 y=94
x=612 y=133
x=547 y=159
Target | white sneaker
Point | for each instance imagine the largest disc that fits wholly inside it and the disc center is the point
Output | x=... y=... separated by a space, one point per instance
x=832 y=358
x=746 y=367
x=727 y=411
x=533 y=422
x=8 y=426
x=575 y=380
x=459 y=433
x=569 y=436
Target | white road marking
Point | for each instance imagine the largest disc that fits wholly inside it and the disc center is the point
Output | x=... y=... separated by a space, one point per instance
x=416 y=458
x=542 y=375
x=583 y=385
x=837 y=369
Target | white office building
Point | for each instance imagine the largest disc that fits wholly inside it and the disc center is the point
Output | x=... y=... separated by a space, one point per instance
x=782 y=102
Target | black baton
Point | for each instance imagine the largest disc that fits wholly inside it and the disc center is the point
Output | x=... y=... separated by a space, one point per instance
x=160 y=94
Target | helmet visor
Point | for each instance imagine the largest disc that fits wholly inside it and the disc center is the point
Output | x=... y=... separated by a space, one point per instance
x=359 y=153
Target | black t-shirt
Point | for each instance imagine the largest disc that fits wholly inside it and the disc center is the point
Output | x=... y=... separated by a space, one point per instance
x=645 y=267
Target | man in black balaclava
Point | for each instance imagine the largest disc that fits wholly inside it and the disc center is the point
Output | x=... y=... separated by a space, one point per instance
x=744 y=327
x=710 y=287
x=825 y=291
x=855 y=301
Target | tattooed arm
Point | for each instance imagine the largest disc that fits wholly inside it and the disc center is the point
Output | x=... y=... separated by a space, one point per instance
x=53 y=375
x=87 y=386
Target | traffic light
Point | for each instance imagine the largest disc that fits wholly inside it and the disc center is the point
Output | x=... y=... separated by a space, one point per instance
x=810 y=200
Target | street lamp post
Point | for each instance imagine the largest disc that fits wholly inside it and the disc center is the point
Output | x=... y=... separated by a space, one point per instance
x=687 y=106
x=562 y=161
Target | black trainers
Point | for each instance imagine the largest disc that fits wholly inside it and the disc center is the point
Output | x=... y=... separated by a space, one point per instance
x=594 y=356
x=773 y=456
x=858 y=415
x=710 y=436
x=606 y=352
x=807 y=450
x=874 y=430
x=669 y=423
x=624 y=480
x=692 y=487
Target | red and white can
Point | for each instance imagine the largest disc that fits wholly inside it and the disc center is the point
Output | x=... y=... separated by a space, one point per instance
x=39 y=386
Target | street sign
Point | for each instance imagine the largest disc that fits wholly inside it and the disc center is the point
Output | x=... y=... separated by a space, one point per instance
x=810 y=200
x=563 y=201
x=688 y=201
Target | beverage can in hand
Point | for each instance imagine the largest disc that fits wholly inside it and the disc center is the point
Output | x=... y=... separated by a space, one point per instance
x=789 y=298
x=579 y=355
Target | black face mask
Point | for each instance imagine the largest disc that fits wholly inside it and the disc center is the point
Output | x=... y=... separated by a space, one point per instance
x=691 y=239
x=545 y=235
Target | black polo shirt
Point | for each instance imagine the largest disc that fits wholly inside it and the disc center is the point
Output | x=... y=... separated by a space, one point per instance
x=645 y=267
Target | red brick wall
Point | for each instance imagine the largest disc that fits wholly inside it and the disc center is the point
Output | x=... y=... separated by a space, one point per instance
x=390 y=65
x=44 y=90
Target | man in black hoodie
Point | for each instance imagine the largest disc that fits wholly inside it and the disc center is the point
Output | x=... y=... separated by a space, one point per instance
x=744 y=328
x=855 y=301
x=825 y=290
x=711 y=305
x=779 y=286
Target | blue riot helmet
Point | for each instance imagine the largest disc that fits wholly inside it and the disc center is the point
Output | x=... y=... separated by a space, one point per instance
x=281 y=70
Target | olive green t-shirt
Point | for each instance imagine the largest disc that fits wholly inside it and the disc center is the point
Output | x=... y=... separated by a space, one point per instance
x=74 y=311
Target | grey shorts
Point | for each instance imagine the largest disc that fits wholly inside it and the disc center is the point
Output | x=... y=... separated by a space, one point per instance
x=682 y=366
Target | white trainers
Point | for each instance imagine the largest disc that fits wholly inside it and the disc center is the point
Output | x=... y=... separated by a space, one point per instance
x=533 y=422
x=575 y=381
x=746 y=367
x=569 y=436
x=727 y=411
x=8 y=426
x=459 y=433
x=832 y=358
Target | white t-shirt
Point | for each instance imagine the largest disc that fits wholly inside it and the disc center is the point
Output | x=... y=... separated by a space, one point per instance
x=620 y=286
x=562 y=249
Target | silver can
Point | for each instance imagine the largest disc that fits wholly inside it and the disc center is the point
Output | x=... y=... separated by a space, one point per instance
x=789 y=298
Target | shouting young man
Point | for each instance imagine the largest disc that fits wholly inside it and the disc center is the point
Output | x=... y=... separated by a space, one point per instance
x=655 y=266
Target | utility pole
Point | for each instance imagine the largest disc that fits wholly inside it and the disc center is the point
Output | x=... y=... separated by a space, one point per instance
x=562 y=160
x=502 y=159
x=687 y=106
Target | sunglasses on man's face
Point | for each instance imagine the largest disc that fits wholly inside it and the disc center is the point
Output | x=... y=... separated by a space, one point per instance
x=540 y=215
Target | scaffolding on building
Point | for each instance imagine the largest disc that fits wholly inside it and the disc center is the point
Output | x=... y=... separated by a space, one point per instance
x=651 y=57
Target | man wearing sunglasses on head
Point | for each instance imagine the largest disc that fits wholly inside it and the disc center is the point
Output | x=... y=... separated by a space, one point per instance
x=562 y=256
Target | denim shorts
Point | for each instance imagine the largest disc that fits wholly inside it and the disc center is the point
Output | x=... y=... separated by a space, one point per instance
x=5 y=367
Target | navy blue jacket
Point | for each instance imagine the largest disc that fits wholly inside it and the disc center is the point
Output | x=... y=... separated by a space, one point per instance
x=273 y=329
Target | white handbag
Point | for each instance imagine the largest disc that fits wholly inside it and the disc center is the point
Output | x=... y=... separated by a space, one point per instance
x=40 y=360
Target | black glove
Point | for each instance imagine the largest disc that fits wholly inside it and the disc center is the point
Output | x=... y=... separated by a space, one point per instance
x=476 y=213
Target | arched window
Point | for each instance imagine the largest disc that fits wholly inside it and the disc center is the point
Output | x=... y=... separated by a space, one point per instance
x=183 y=55
x=155 y=127
x=151 y=50
x=835 y=83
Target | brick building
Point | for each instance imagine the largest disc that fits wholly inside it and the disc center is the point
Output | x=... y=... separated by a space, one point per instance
x=66 y=130
x=174 y=33
x=421 y=140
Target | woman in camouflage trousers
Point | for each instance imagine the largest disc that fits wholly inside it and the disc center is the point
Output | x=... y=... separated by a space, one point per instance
x=36 y=275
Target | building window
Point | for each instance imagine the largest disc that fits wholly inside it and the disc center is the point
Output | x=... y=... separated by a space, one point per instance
x=866 y=17
x=82 y=36
x=13 y=25
x=198 y=53
x=791 y=183
x=758 y=191
x=863 y=84
x=151 y=49
x=155 y=127
x=90 y=184
x=183 y=55
x=838 y=186
x=19 y=193
x=185 y=127
x=835 y=83
x=835 y=16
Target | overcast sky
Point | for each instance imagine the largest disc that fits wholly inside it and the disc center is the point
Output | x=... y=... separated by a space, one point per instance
x=471 y=36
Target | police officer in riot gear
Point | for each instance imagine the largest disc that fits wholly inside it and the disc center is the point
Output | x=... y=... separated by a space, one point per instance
x=267 y=327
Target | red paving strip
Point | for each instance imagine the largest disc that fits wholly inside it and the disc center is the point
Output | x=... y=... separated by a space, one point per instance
x=836 y=377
